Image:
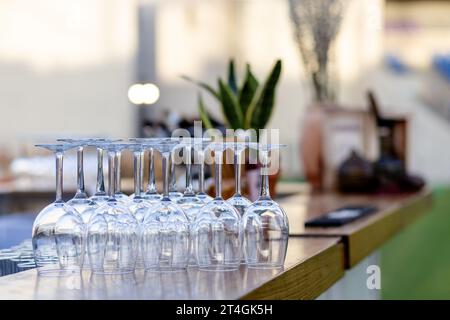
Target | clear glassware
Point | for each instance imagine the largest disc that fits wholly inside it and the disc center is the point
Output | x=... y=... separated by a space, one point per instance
x=70 y=232
x=173 y=191
x=189 y=202
x=238 y=200
x=112 y=232
x=138 y=206
x=49 y=235
x=119 y=195
x=265 y=224
x=100 y=196
x=165 y=230
x=216 y=229
x=151 y=195
x=80 y=201
x=199 y=150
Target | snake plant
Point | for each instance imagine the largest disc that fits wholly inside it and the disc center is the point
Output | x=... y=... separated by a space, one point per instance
x=248 y=106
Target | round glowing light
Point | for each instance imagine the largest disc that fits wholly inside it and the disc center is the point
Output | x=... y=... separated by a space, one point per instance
x=143 y=93
x=135 y=93
x=150 y=93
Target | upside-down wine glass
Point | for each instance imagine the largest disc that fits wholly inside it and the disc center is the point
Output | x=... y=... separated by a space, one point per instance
x=138 y=206
x=80 y=201
x=165 y=230
x=100 y=196
x=112 y=232
x=216 y=229
x=238 y=200
x=265 y=224
x=49 y=228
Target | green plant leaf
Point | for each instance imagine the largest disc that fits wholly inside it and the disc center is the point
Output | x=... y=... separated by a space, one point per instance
x=261 y=107
x=203 y=85
x=203 y=113
x=230 y=107
x=247 y=92
x=232 y=82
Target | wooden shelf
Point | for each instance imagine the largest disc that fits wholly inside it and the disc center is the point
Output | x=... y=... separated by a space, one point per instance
x=316 y=258
x=362 y=236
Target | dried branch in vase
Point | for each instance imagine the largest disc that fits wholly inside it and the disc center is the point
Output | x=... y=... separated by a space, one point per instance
x=316 y=25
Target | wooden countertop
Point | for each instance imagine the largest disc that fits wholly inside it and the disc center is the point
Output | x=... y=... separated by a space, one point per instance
x=311 y=266
x=363 y=236
x=316 y=258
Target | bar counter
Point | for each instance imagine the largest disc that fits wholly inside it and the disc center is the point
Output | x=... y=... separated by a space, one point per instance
x=317 y=259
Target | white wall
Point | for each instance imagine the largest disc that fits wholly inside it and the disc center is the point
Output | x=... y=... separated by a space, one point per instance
x=65 y=68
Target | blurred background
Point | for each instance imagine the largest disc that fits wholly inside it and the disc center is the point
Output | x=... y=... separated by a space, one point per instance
x=70 y=69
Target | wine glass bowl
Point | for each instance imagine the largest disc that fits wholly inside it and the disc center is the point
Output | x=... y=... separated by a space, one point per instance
x=44 y=238
x=165 y=238
x=112 y=239
x=70 y=232
x=217 y=236
x=266 y=235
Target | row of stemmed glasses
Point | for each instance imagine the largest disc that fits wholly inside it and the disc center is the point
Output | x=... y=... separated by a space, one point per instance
x=119 y=233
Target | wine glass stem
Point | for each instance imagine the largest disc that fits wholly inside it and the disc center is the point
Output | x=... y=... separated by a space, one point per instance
x=100 y=187
x=173 y=183
x=237 y=172
x=189 y=188
x=151 y=172
x=111 y=173
x=166 y=170
x=218 y=173
x=265 y=190
x=118 y=172
x=59 y=176
x=201 y=178
x=80 y=171
x=137 y=173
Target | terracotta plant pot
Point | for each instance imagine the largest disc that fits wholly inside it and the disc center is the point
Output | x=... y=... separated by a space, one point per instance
x=311 y=146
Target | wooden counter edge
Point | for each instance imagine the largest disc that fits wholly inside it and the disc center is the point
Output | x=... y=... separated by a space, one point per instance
x=306 y=280
x=364 y=241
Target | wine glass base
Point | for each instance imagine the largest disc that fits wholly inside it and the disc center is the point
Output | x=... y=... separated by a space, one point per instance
x=57 y=272
x=264 y=266
x=219 y=268
x=114 y=271
x=165 y=269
